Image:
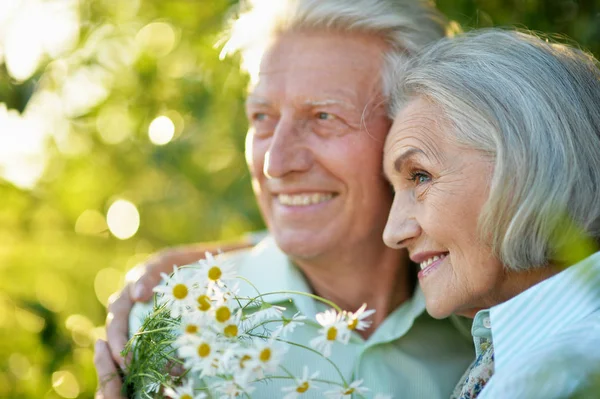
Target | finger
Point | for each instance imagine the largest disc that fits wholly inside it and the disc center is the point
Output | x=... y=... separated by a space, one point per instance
x=117 y=325
x=141 y=289
x=109 y=381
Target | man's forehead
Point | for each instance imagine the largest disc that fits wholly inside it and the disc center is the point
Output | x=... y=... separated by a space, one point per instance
x=342 y=98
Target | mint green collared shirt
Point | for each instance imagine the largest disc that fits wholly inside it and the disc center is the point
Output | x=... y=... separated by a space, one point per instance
x=410 y=355
x=547 y=338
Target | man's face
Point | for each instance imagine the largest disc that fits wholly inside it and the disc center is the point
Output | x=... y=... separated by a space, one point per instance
x=315 y=143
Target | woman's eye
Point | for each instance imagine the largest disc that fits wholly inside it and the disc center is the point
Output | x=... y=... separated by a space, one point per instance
x=419 y=177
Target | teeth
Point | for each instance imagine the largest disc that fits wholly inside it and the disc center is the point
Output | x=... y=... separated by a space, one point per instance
x=303 y=199
x=429 y=261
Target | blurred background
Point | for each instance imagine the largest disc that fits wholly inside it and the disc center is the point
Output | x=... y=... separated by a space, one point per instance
x=121 y=132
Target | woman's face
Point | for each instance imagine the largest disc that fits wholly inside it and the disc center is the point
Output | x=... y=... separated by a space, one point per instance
x=440 y=188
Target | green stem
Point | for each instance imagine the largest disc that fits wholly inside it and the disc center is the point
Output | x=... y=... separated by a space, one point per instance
x=306 y=294
x=309 y=349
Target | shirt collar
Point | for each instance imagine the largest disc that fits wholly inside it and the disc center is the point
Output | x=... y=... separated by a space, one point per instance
x=270 y=270
x=544 y=310
x=400 y=320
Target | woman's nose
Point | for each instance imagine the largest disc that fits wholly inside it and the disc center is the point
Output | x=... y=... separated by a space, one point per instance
x=402 y=227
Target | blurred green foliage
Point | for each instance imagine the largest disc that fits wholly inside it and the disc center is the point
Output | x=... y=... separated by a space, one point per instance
x=131 y=62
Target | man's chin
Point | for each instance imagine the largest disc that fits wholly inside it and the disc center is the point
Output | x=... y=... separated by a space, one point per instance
x=303 y=246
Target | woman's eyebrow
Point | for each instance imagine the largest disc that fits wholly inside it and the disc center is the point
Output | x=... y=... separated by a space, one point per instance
x=402 y=158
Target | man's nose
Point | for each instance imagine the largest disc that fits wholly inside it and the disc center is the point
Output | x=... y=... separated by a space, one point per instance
x=289 y=150
x=402 y=228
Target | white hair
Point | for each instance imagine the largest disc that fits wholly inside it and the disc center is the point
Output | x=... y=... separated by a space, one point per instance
x=406 y=25
x=534 y=107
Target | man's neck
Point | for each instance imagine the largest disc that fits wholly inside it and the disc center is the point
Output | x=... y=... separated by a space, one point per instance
x=378 y=276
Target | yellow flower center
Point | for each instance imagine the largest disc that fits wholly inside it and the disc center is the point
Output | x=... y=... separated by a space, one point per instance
x=223 y=314
x=331 y=333
x=215 y=273
x=243 y=360
x=231 y=331
x=203 y=303
x=302 y=387
x=180 y=291
x=352 y=324
x=265 y=355
x=185 y=396
x=191 y=329
x=203 y=349
x=349 y=391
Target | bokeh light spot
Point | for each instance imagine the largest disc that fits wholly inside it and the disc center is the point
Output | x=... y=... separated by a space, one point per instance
x=107 y=282
x=91 y=222
x=29 y=321
x=123 y=219
x=157 y=38
x=65 y=384
x=20 y=366
x=114 y=124
x=161 y=130
x=82 y=329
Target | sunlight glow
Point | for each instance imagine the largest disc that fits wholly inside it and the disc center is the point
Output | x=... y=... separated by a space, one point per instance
x=161 y=130
x=84 y=89
x=56 y=32
x=22 y=147
x=123 y=219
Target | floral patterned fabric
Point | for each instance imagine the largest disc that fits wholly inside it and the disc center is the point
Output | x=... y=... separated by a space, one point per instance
x=476 y=376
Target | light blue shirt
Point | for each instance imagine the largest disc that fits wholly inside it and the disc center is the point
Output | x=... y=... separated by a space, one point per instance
x=410 y=355
x=546 y=339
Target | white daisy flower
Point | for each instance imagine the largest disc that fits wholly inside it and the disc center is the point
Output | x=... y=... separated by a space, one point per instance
x=231 y=327
x=192 y=323
x=184 y=392
x=224 y=313
x=267 y=312
x=347 y=392
x=231 y=389
x=289 y=325
x=356 y=320
x=202 y=353
x=266 y=356
x=334 y=329
x=175 y=290
x=215 y=271
x=301 y=386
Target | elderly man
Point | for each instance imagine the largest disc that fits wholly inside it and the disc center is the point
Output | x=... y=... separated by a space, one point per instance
x=318 y=121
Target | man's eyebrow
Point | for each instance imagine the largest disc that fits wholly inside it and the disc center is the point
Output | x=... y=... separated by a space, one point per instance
x=257 y=101
x=316 y=103
x=402 y=158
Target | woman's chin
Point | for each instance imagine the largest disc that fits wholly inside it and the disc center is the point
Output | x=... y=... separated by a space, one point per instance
x=437 y=310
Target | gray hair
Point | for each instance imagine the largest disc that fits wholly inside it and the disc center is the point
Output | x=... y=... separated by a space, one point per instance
x=406 y=25
x=534 y=107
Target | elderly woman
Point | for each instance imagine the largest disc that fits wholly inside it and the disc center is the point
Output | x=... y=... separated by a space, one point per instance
x=494 y=157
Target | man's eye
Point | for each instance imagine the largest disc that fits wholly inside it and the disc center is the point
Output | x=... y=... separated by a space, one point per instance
x=419 y=177
x=259 y=116
x=325 y=116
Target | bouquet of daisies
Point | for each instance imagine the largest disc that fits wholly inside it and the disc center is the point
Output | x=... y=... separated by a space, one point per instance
x=203 y=340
